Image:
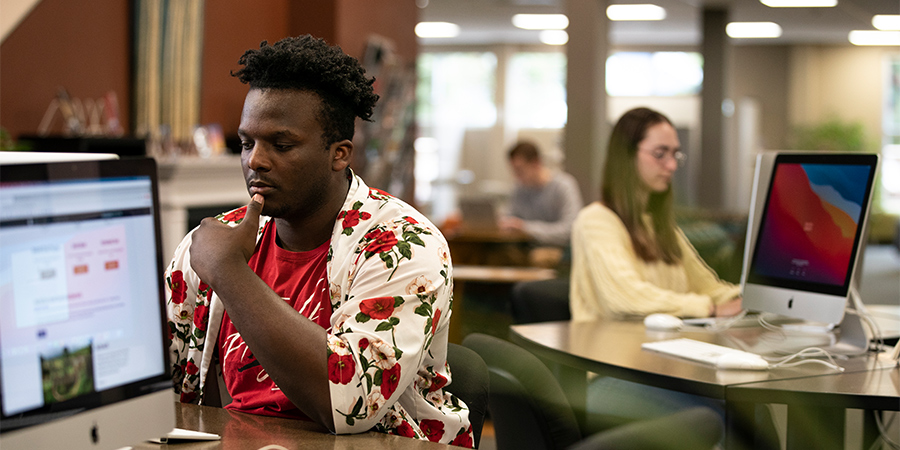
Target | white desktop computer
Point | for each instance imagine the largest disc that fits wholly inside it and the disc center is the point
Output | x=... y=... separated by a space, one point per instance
x=806 y=234
x=83 y=336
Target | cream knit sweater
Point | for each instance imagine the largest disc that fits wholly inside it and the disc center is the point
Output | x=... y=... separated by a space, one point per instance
x=609 y=280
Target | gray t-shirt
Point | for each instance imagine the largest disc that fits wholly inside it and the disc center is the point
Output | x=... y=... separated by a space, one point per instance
x=548 y=211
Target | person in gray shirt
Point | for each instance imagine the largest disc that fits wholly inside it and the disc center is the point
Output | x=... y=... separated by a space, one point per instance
x=545 y=201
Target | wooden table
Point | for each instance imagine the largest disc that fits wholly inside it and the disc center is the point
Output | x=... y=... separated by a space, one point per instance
x=240 y=431
x=505 y=277
x=489 y=247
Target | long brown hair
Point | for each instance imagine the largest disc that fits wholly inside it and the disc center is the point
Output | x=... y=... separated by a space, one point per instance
x=622 y=185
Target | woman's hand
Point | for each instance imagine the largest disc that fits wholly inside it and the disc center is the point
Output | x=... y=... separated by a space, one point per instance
x=730 y=308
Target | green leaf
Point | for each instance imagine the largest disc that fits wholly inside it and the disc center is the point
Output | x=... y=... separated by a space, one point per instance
x=387 y=258
x=362 y=317
x=416 y=240
x=357 y=205
x=357 y=407
x=347 y=231
x=377 y=379
x=398 y=300
x=424 y=310
x=404 y=249
x=384 y=326
x=397 y=352
x=428 y=325
x=394 y=321
x=350 y=421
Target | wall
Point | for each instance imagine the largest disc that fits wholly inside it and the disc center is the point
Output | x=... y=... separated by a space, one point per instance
x=63 y=43
x=395 y=20
x=88 y=50
x=231 y=27
x=845 y=82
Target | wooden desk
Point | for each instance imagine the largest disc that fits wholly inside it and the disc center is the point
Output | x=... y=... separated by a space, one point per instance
x=613 y=348
x=500 y=279
x=241 y=431
x=489 y=247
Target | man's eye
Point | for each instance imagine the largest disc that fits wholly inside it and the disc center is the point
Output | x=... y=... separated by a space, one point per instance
x=245 y=145
x=283 y=146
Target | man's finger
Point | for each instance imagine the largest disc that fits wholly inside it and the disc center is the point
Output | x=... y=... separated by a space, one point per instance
x=254 y=209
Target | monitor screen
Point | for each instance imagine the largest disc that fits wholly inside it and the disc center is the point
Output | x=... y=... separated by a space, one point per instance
x=809 y=232
x=81 y=304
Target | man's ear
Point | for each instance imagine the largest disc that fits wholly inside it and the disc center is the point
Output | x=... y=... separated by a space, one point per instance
x=342 y=154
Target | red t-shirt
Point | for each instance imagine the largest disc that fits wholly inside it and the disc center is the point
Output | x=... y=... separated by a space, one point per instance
x=300 y=278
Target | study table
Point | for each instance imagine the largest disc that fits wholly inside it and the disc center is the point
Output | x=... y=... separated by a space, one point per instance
x=240 y=431
x=613 y=348
x=496 y=276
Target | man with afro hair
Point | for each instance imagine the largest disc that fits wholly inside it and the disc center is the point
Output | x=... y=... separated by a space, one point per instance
x=322 y=299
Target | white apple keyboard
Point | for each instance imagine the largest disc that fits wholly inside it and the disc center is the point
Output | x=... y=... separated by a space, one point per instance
x=703 y=352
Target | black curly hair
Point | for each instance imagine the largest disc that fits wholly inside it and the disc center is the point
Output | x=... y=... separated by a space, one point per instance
x=310 y=64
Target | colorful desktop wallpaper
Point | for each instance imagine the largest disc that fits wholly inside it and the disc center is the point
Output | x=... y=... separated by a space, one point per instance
x=811 y=222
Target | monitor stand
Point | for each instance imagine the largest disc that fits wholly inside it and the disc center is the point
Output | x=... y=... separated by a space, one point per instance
x=851 y=336
x=848 y=338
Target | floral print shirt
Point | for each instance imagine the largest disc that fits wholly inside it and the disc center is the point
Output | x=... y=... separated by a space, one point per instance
x=391 y=286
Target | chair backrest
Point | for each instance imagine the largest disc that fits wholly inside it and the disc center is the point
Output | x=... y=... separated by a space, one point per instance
x=469 y=380
x=540 y=301
x=527 y=405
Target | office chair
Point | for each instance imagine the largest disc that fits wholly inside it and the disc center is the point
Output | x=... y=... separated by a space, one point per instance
x=540 y=301
x=470 y=382
x=529 y=410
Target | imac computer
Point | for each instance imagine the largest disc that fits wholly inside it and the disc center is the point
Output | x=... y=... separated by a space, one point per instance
x=806 y=233
x=83 y=354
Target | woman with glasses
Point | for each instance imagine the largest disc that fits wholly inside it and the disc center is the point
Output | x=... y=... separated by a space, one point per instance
x=629 y=258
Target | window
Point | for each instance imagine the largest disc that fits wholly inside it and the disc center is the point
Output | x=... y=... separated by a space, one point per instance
x=455 y=91
x=645 y=74
x=536 y=90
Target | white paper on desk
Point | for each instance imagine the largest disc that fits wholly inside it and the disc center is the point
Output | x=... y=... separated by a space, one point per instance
x=179 y=434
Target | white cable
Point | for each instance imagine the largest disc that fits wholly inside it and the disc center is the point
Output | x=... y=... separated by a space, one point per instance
x=272 y=447
x=883 y=431
x=726 y=323
x=806 y=353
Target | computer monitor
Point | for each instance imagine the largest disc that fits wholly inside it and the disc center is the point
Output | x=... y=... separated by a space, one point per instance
x=805 y=233
x=83 y=354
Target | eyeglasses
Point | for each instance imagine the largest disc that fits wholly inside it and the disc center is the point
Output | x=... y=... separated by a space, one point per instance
x=661 y=154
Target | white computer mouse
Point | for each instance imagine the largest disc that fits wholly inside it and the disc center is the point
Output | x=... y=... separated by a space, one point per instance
x=660 y=321
x=741 y=361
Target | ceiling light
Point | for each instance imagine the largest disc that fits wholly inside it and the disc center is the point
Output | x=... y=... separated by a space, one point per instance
x=886 y=22
x=437 y=30
x=799 y=3
x=739 y=30
x=541 y=21
x=554 y=37
x=635 y=12
x=873 y=37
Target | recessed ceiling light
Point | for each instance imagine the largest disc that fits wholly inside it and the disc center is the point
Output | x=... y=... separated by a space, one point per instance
x=874 y=37
x=437 y=30
x=886 y=22
x=738 y=30
x=635 y=12
x=554 y=37
x=541 y=21
x=799 y=3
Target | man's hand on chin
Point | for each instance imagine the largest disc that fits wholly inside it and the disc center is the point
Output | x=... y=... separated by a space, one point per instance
x=217 y=249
